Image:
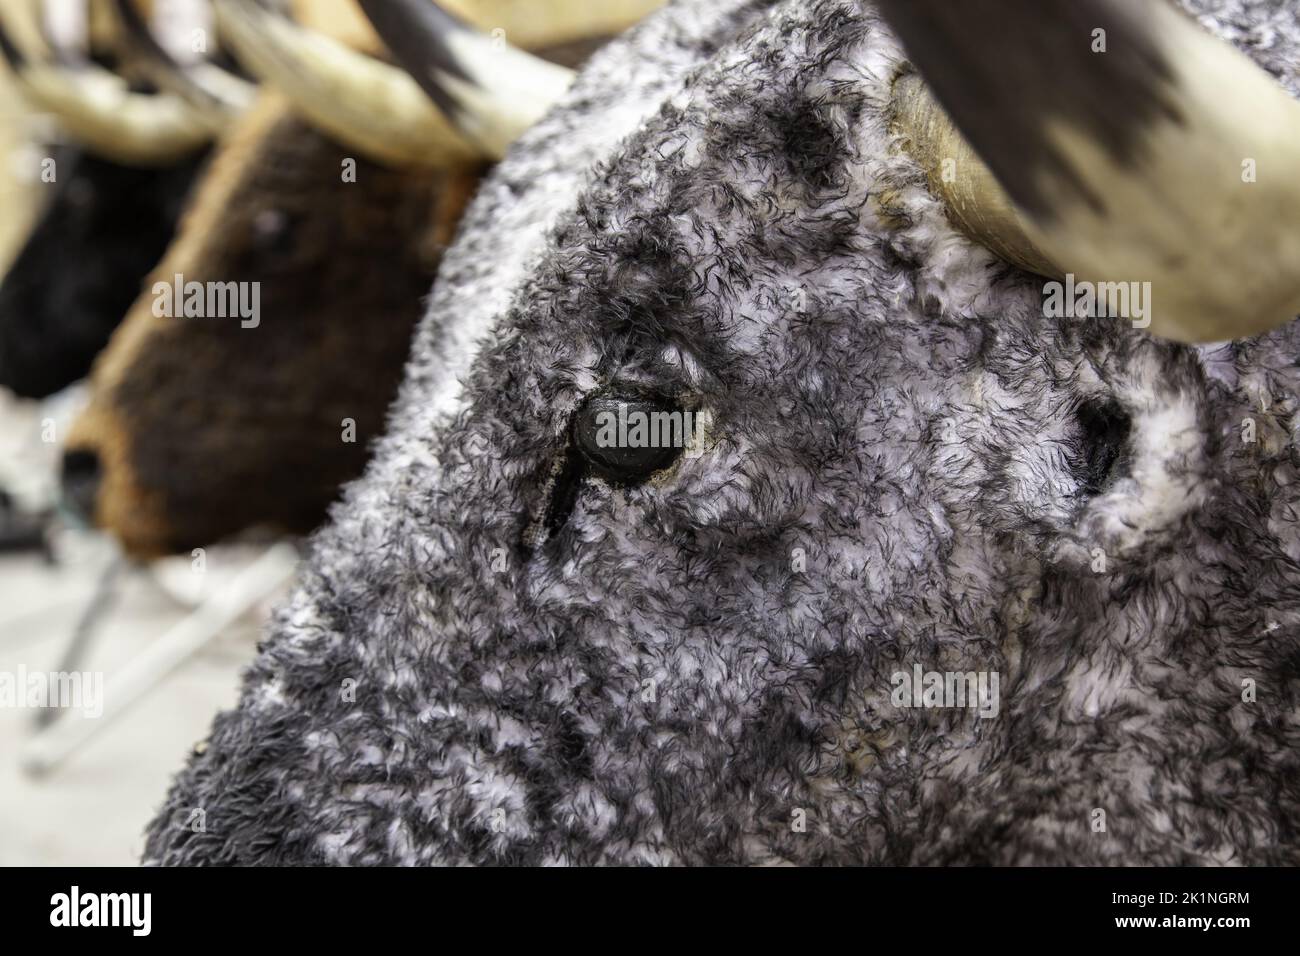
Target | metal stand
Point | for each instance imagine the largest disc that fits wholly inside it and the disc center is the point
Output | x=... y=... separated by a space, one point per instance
x=61 y=734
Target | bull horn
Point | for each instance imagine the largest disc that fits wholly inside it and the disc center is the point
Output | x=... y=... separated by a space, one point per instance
x=209 y=89
x=1135 y=146
x=977 y=205
x=374 y=107
x=99 y=110
x=492 y=91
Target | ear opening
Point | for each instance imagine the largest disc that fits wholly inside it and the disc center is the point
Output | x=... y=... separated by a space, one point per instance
x=1143 y=465
x=1103 y=450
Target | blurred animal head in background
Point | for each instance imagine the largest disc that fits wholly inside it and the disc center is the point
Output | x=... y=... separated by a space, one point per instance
x=515 y=644
x=110 y=199
x=329 y=203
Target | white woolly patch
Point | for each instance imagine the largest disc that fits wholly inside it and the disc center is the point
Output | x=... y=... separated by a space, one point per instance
x=1167 y=481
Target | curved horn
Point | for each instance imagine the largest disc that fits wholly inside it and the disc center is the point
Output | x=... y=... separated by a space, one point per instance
x=208 y=88
x=975 y=201
x=99 y=110
x=1136 y=147
x=539 y=24
x=362 y=101
x=64 y=26
x=491 y=90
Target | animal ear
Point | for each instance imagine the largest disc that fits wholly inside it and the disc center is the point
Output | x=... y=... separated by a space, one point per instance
x=1134 y=146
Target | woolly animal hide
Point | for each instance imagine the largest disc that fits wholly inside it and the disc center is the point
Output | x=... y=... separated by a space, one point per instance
x=497 y=656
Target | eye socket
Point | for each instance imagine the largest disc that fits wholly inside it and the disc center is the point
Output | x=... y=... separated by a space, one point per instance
x=625 y=439
x=80 y=194
x=272 y=233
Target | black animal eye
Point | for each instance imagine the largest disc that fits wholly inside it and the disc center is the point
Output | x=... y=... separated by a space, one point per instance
x=273 y=232
x=626 y=439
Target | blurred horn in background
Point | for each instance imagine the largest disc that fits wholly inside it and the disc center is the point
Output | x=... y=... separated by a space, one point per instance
x=208 y=88
x=488 y=88
x=99 y=109
x=364 y=102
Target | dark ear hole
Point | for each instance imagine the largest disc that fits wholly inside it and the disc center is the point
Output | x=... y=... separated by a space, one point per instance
x=1102 y=452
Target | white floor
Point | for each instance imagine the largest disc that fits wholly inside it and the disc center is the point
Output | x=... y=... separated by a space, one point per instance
x=92 y=808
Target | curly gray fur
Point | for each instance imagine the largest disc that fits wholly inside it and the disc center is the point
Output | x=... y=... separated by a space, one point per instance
x=967 y=485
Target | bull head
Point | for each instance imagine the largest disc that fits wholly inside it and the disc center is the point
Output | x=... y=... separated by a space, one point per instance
x=519 y=642
x=113 y=196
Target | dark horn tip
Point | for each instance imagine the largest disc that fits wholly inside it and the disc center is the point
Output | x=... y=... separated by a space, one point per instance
x=13 y=56
x=415 y=31
x=136 y=30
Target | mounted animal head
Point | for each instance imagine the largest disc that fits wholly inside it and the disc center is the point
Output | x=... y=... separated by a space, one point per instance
x=252 y=374
x=112 y=196
x=932 y=574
